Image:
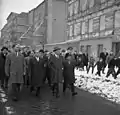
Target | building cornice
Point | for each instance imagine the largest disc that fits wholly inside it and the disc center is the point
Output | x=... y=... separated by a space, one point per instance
x=11 y=14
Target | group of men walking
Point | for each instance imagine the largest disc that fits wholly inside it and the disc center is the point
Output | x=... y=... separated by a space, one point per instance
x=34 y=67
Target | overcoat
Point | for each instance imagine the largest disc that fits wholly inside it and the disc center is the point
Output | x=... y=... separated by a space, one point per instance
x=56 y=66
x=27 y=63
x=2 y=66
x=37 y=71
x=15 y=67
x=68 y=71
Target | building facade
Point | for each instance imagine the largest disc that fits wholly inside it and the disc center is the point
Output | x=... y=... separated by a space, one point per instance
x=35 y=34
x=49 y=23
x=43 y=25
x=94 y=24
x=16 y=25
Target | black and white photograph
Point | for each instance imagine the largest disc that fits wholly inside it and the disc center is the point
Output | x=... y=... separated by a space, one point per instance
x=59 y=57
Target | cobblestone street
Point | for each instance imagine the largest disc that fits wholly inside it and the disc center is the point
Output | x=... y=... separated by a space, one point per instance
x=83 y=104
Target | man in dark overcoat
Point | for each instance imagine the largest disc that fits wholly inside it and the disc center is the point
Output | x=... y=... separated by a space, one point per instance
x=70 y=51
x=56 y=66
x=104 y=55
x=3 y=77
x=68 y=73
x=37 y=71
x=48 y=69
x=15 y=68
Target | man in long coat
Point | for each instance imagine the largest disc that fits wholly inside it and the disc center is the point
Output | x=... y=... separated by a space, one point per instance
x=3 y=77
x=104 y=55
x=37 y=71
x=68 y=73
x=15 y=69
x=56 y=66
x=48 y=69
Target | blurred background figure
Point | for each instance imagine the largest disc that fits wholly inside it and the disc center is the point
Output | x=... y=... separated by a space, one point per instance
x=3 y=77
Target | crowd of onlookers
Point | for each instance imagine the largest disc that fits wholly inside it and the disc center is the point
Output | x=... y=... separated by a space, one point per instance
x=105 y=59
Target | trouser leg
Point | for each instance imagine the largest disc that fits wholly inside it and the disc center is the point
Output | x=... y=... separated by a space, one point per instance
x=113 y=73
x=64 y=86
x=104 y=66
x=16 y=90
x=92 y=69
x=88 y=68
x=109 y=72
x=38 y=91
x=31 y=88
x=49 y=80
x=73 y=89
x=118 y=72
x=2 y=82
x=98 y=72
x=6 y=82
x=57 y=89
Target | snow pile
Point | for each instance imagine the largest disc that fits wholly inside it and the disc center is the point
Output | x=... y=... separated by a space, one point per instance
x=102 y=86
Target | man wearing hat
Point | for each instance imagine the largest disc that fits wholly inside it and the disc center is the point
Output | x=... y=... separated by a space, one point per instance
x=3 y=77
x=63 y=52
x=56 y=65
x=68 y=73
x=70 y=51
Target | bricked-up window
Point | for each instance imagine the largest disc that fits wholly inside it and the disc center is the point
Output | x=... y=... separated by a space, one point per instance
x=96 y=24
x=90 y=25
x=97 y=2
x=102 y=22
x=117 y=19
x=100 y=49
x=91 y=3
x=71 y=30
x=76 y=7
x=86 y=26
x=82 y=48
x=77 y=29
x=70 y=10
x=103 y=1
x=109 y=20
x=88 y=50
x=83 y=5
x=83 y=27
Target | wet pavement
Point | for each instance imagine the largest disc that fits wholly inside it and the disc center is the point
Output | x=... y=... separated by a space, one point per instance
x=82 y=104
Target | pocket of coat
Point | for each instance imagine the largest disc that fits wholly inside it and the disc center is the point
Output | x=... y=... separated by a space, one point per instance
x=12 y=74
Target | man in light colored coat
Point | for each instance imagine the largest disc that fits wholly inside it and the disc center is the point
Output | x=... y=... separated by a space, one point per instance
x=15 y=68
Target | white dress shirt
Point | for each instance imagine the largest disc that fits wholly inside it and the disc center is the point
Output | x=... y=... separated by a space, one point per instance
x=37 y=58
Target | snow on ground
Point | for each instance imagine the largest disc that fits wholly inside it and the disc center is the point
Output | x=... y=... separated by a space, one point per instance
x=9 y=110
x=108 y=88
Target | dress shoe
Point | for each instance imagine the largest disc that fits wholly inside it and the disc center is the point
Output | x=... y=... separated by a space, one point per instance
x=14 y=99
x=57 y=95
x=75 y=93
